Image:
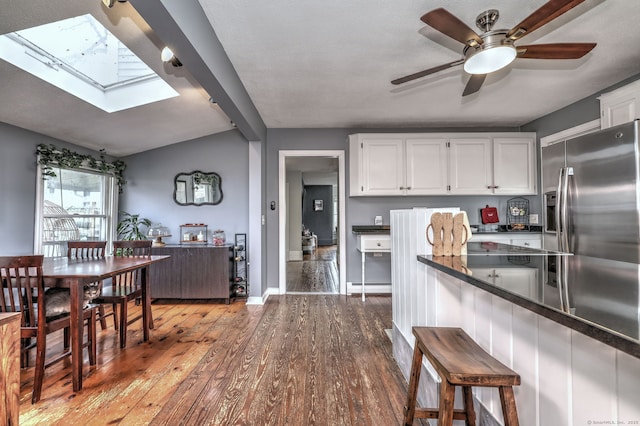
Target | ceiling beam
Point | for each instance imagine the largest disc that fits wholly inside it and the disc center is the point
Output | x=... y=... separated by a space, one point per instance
x=183 y=26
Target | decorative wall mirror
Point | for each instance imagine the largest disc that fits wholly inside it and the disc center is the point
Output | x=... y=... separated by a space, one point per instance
x=197 y=189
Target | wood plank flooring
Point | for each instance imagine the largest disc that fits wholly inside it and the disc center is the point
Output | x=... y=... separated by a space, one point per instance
x=297 y=360
x=316 y=273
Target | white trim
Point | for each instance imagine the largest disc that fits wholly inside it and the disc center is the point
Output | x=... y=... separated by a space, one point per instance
x=582 y=129
x=295 y=255
x=256 y=222
x=282 y=215
x=369 y=288
x=261 y=300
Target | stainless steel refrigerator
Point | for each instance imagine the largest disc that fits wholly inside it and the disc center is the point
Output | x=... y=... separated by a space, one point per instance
x=590 y=203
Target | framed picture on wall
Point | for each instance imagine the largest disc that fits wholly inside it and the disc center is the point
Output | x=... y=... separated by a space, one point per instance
x=318 y=206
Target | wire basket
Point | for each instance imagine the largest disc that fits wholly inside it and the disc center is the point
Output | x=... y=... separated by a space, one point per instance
x=518 y=214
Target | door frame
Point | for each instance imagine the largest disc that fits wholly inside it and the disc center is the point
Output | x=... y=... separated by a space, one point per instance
x=282 y=217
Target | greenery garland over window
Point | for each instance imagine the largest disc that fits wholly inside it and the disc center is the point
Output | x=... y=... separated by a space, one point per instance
x=50 y=156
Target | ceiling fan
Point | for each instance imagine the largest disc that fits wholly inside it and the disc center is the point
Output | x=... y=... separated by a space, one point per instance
x=494 y=49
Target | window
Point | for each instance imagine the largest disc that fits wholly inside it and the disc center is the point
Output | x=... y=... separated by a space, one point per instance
x=80 y=56
x=74 y=205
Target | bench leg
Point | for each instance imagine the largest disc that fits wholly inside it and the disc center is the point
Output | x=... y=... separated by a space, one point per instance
x=412 y=393
x=468 y=405
x=447 y=394
x=508 y=406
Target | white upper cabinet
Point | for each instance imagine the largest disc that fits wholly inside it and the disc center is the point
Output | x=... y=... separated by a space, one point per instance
x=397 y=165
x=441 y=164
x=470 y=166
x=426 y=165
x=382 y=166
x=514 y=165
x=621 y=105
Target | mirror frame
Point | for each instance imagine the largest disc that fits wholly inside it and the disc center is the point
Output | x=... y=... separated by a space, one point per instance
x=216 y=184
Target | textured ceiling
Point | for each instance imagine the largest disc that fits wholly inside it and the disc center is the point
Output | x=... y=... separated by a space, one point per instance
x=326 y=65
x=329 y=64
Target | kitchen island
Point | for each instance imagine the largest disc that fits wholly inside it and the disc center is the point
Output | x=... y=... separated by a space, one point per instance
x=512 y=301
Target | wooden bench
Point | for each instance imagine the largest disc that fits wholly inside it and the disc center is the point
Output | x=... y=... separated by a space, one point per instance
x=459 y=361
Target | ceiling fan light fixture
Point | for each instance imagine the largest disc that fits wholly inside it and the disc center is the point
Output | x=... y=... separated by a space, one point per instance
x=494 y=53
x=485 y=61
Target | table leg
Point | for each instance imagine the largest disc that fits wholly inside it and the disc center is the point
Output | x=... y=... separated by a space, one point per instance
x=363 y=256
x=76 y=330
x=146 y=303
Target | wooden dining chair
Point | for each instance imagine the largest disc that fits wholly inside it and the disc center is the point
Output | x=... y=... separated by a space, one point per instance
x=125 y=287
x=23 y=291
x=92 y=250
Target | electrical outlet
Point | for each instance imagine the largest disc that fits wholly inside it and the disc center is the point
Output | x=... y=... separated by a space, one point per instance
x=533 y=219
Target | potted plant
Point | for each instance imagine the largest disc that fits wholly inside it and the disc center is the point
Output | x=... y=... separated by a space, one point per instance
x=129 y=226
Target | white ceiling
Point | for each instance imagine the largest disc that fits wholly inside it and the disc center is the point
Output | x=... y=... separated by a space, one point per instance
x=327 y=65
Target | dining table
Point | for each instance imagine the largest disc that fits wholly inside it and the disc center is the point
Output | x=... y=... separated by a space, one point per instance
x=75 y=273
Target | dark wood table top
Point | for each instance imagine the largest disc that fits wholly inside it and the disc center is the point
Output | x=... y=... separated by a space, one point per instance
x=94 y=269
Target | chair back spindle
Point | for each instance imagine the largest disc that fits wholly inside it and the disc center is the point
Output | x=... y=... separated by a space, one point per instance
x=86 y=249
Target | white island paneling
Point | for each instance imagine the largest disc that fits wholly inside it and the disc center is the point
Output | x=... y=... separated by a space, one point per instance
x=568 y=378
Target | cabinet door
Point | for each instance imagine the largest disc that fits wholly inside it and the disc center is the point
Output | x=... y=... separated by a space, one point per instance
x=620 y=106
x=619 y=111
x=528 y=241
x=166 y=276
x=470 y=168
x=485 y=274
x=426 y=165
x=514 y=166
x=521 y=281
x=382 y=167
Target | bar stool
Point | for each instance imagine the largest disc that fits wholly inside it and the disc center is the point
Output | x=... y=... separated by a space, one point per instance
x=459 y=361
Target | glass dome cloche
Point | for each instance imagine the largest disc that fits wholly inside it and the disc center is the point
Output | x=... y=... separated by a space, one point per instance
x=157 y=232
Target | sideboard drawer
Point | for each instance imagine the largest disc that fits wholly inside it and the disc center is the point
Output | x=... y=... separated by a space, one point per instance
x=374 y=242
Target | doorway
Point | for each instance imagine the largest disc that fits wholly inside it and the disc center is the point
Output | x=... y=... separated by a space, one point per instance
x=314 y=164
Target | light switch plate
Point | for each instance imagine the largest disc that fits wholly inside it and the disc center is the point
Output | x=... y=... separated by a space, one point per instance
x=533 y=219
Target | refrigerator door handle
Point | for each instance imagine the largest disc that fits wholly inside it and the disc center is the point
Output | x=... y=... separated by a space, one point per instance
x=568 y=171
x=559 y=202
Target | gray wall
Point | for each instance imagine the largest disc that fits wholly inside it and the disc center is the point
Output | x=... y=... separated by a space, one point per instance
x=359 y=210
x=18 y=186
x=580 y=112
x=150 y=177
x=150 y=184
x=319 y=222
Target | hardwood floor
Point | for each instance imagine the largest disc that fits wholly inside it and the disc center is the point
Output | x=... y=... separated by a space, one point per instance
x=297 y=360
x=316 y=273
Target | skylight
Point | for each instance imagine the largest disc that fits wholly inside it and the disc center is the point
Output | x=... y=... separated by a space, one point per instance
x=80 y=56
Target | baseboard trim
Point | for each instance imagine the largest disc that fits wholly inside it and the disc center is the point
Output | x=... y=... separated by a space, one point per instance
x=295 y=255
x=373 y=288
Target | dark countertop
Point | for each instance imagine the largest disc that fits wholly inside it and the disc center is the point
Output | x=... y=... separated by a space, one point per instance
x=194 y=244
x=602 y=295
x=371 y=229
x=502 y=229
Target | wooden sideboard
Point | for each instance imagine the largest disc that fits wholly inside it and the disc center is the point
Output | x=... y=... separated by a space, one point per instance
x=9 y=368
x=192 y=272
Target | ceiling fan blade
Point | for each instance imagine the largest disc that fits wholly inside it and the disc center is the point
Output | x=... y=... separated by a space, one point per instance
x=451 y=26
x=545 y=14
x=555 y=50
x=474 y=84
x=426 y=72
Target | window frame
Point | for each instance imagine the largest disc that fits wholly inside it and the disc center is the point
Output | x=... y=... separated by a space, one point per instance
x=110 y=199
